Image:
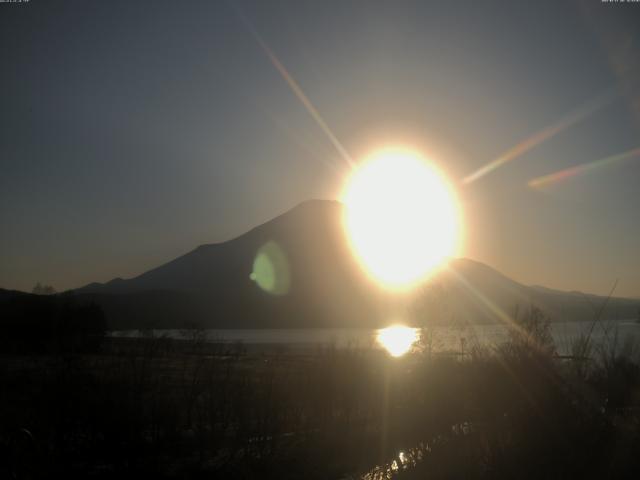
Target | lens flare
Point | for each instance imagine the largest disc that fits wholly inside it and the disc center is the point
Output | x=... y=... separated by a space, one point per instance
x=552 y=178
x=401 y=218
x=271 y=269
x=397 y=339
x=545 y=134
x=295 y=88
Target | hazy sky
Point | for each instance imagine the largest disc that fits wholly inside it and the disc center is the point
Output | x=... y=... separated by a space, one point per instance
x=131 y=131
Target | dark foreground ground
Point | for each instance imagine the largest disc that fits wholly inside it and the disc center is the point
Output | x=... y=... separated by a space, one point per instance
x=160 y=408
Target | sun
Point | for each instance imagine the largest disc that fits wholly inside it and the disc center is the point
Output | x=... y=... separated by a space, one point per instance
x=401 y=217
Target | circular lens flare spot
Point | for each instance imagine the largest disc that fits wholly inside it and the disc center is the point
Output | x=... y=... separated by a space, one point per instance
x=397 y=339
x=401 y=218
x=271 y=269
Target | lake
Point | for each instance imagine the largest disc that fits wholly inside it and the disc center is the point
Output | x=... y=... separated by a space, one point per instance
x=442 y=338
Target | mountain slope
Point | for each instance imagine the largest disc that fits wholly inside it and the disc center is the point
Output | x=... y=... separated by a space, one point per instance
x=212 y=285
x=326 y=285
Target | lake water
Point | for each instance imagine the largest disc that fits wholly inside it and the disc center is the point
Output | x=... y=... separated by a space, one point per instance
x=442 y=338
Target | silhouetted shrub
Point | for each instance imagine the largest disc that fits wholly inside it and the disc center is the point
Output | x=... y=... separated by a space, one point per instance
x=155 y=407
x=36 y=323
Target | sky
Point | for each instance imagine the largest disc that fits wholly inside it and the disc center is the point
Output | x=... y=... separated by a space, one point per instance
x=132 y=132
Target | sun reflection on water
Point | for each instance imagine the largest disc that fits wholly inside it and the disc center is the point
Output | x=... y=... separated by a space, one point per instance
x=397 y=339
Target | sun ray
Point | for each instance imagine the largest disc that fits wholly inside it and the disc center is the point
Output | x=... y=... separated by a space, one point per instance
x=543 y=135
x=305 y=143
x=552 y=178
x=296 y=89
x=497 y=311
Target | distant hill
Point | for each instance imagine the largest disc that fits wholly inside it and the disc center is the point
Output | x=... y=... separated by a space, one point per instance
x=211 y=286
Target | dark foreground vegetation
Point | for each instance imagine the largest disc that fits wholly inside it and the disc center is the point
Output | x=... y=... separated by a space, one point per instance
x=153 y=407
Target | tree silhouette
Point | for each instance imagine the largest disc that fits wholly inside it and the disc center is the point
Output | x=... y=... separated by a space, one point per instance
x=40 y=289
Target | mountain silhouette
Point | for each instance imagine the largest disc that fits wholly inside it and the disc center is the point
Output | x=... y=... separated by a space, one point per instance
x=297 y=270
x=213 y=283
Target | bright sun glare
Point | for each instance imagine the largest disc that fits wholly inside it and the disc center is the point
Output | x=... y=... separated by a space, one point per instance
x=401 y=217
x=397 y=339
